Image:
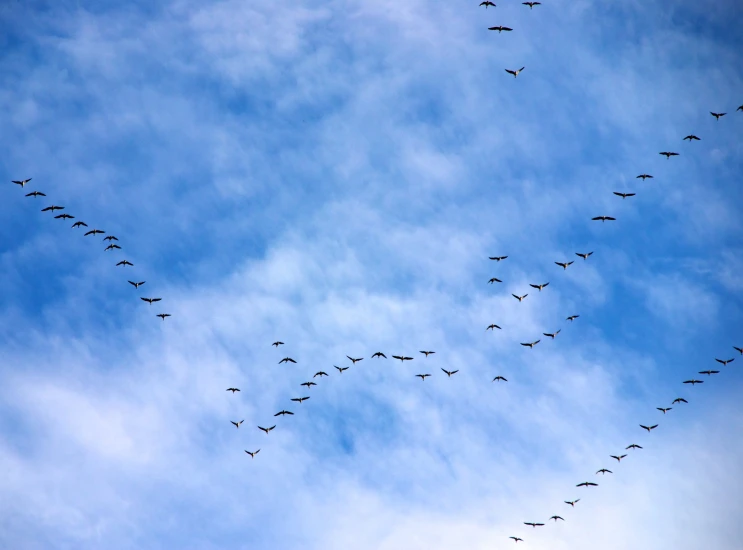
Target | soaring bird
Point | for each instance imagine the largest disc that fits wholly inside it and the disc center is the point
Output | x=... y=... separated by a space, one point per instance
x=79 y=224
x=402 y=358
x=691 y=137
x=491 y=327
x=64 y=217
x=587 y=484
x=717 y=115
x=497 y=258
x=739 y=350
x=644 y=177
x=300 y=399
x=563 y=265
x=668 y=154
x=534 y=524
x=36 y=194
x=125 y=263
x=499 y=378
x=620 y=457
x=494 y=280
x=572 y=502
x=341 y=369
x=163 y=315
x=287 y=360
x=277 y=344
x=354 y=361
x=237 y=424
x=267 y=429
x=500 y=28
x=633 y=446
x=516 y=539
x=740 y=108
x=283 y=412
x=648 y=428
x=552 y=335
x=112 y=246
x=624 y=195
x=572 y=318
x=94 y=232
x=320 y=374
x=233 y=390
x=52 y=208
x=679 y=400
x=692 y=382
x=427 y=353
x=530 y=345
x=136 y=285
x=308 y=384
x=584 y=256
x=709 y=372
x=110 y=238
x=252 y=455
x=664 y=410
x=519 y=298
x=557 y=517
x=531 y=6
x=422 y=376
x=604 y=471
x=487 y=3
x=450 y=372
x=539 y=287
x=515 y=73
x=724 y=362
x=603 y=218
x=379 y=354
x=22 y=183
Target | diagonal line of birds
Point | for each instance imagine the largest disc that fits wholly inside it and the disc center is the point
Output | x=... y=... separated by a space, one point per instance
x=112 y=245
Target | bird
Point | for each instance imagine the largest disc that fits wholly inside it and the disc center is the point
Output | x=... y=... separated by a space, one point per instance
x=494 y=280
x=308 y=384
x=300 y=399
x=497 y=258
x=110 y=238
x=557 y=517
x=427 y=353
x=233 y=390
x=287 y=360
x=515 y=73
x=604 y=471
x=519 y=298
x=563 y=265
x=320 y=374
x=584 y=256
x=36 y=194
x=379 y=354
x=277 y=344
x=499 y=377
x=516 y=539
x=283 y=412
x=648 y=428
x=587 y=484
x=52 y=208
x=709 y=372
x=531 y=6
x=341 y=369
x=724 y=362
x=252 y=455
x=691 y=137
x=237 y=424
x=64 y=217
x=624 y=195
x=22 y=183
x=668 y=154
x=137 y=285
x=739 y=350
x=572 y=318
x=692 y=382
x=740 y=108
x=450 y=372
x=552 y=335
x=664 y=410
x=125 y=263
x=572 y=502
x=267 y=429
x=530 y=345
x=538 y=287
x=603 y=218
x=679 y=400
x=620 y=457
x=79 y=224
x=163 y=315
x=500 y=28
x=534 y=524
x=354 y=361
x=633 y=446
x=644 y=177
x=94 y=232
x=422 y=376
x=112 y=247
x=402 y=358
x=491 y=327
x=487 y=3
x=717 y=115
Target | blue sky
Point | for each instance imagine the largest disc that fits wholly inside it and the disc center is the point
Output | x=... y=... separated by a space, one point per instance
x=335 y=175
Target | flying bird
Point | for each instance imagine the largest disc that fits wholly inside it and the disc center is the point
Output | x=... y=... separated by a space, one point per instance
x=634 y=446
x=709 y=372
x=552 y=335
x=624 y=195
x=379 y=354
x=427 y=353
x=724 y=362
x=282 y=413
x=620 y=457
x=516 y=539
x=739 y=350
x=422 y=376
x=497 y=258
x=300 y=399
x=112 y=246
x=603 y=218
x=321 y=374
x=277 y=344
x=691 y=137
x=668 y=154
x=233 y=390
x=64 y=217
x=450 y=372
x=267 y=429
x=515 y=73
x=740 y=108
x=252 y=455
x=648 y=428
x=572 y=502
x=531 y=345
x=341 y=369
x=287 y=360
x=110 y=238
x=237 y=424
x=531 y=6
x=557 y=517
x=79 y=224
x=308 y=384
x=584 y=256
x=644 y=176
x=692 y=382
x=572 y=318
x=494 y=280
x=354 y=361
x=487 y=3
x=163 y=315
x=491 y=327
x=94 y=232
x=36 y=194
x=500 y=28
x=125 y=263
x=52 y=208
x=402 y=358
x=22 y=183
x=519 y=298
x=604 y=471
x=679 y=400
x=538 y=287
x=587 y=484
x=136 y=285
x=664 y=410
x=534 y=524
x=717 y=115
x=564 y=265
x=498 y=378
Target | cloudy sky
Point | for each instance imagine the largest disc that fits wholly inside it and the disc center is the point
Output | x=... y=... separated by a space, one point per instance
x=335 y=174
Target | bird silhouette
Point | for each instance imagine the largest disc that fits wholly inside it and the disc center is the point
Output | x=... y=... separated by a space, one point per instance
x=320 y=374
x=308 y=384
x=648 y=428
x=633 y=446
x=402 y=358
x=709 y=372
x=557 y=517
x=531 y=6
x=604 y=218
x=379 y=354
x=112 y=246
x=668 y=154
x=499 y=378
x=539 y=287
x=79 y=224
x=664 y=410
x=724 y=362
x=94 y=232
x=52 y=208
x=450 y=372
x=552 y=335
x=534 y=524
x=283 y=413
x=163 y=315
x=624 y=195
x=427 y=353
x=300 y=399
x=252 y=455
x=497 y=258
x=287 y=360
x=237 y=424
x=422 y=376
x=233 y=390
x=150 y=300
x=22 y=183
x=618 y=458
x=110 y=238
x=341 y=369
x=267 y=429
x=500 y=28
x=717 y=115
x=277 y=344
x=584 y=256
x=691 y=137
x=572 y=502
x=64 y=217
x=35 y=194
x=564 y=265
x=125 y=263
x=487 y=3
x=494 y=280
x=354 y=361
x=516 y=539
x=519 y=298
x=604 y=471
x=587 y=484
x=692 y=382
x=136 y=285
x=531 y=345
x=679 y=400
x=491 y=327
x=572 y=318
x=644 y=177
x=515 y=73
x=739 y=350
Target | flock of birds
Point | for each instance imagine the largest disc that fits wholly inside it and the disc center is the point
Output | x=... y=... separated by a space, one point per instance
x=114 y=246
